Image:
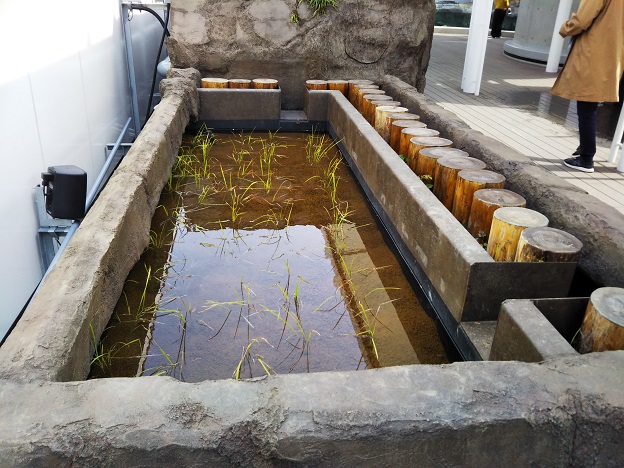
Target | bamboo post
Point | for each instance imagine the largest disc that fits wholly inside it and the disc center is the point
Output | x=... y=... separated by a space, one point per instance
x=353 y=85
x=339 y=85
x=316 y=85
x=378 y=103
x=403 y=116
x=361 y=92
x=380 y=115
x=414 y=132
x=240 y=84
x=264 y=83
x=214 y=83
x=367 y=101
x=603 y=325
x=397 y=126
x=409 y=150
x=427 y=158
x=445 y=176
x=468 y=182
x=507 y=225
x=546 y=244
x=484 y=203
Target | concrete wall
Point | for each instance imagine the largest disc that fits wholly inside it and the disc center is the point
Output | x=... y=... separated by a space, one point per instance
x=534 y=30
x=599 y=226
x=565 y=412
x=63 y=97
x=359 y=39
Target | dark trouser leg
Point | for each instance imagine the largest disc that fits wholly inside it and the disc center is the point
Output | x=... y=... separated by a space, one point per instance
x=497 y=22
x=587 y=128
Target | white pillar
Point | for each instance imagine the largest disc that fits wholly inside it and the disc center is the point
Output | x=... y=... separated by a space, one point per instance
x=556 y=45
x=617 y=148
x=477 y=43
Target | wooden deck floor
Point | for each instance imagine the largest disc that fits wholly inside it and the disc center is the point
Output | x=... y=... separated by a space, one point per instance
x=515 y=107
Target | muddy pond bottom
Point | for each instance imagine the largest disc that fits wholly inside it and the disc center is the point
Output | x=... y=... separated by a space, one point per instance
x=264 y=259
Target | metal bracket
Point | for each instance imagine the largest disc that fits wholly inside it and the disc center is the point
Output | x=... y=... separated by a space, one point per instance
x=51 y=230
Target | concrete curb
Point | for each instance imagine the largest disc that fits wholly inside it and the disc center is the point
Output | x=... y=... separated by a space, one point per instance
x=468 y=414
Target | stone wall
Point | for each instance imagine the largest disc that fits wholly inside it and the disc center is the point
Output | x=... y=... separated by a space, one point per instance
x=256 y=39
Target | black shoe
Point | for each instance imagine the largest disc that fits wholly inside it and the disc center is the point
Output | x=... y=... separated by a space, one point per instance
x=577 y=152
x=579 y=163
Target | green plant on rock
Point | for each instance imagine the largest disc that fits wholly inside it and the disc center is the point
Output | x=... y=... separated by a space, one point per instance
x=319 y=7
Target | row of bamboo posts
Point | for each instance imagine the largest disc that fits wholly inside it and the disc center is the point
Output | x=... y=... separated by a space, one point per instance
x=258 y=83
x=477 y=198
x=474 y=195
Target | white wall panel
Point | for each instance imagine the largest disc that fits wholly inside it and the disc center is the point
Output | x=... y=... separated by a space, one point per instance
x=63 y=95
x=62 y=115
x=21 y=155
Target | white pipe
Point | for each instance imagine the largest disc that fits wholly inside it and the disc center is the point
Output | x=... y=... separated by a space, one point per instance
x=616 y=146
x=477 y=44
x=556 y=45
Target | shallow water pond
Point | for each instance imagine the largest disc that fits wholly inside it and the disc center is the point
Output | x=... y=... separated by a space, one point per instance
x=264 y=258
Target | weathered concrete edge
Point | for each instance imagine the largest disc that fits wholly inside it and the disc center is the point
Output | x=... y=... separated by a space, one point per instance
x=599 y=226
x=239 y=104
x=54 y=338
x=564 y=412
x=524 y=334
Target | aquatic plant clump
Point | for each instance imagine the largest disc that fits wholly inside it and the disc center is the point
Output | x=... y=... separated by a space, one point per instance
x=255 y=268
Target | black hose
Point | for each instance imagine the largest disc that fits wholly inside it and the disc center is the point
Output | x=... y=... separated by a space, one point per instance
x=134 y=6
x=148 y=112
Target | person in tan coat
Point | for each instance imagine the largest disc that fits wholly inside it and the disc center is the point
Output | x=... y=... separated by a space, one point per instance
x=593 y=70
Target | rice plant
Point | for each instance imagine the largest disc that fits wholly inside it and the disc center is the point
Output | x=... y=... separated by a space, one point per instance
x=317 y=147
x=103 y=357
x=247 y=356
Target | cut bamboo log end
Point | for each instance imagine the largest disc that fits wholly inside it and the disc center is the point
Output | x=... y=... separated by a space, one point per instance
x=603 y=325
x=240 y=83
x=397 y=126
x=445 y=176
x=380 y=115
x=427 y=158
x=361 y=92
x=375 y=104
x=339 y=85
x=352 y=83
x=507 y=225
x=416 y=143
x=316 y=85
x=414 y=132
x=214 y=83
x=264 y=83
x=545 y=244
x=404 y=116
x=484 y=203
x=367 y=103
x=468 y=182
x=353 y=87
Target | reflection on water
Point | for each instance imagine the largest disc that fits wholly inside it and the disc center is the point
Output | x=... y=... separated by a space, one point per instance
x=273 y=289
